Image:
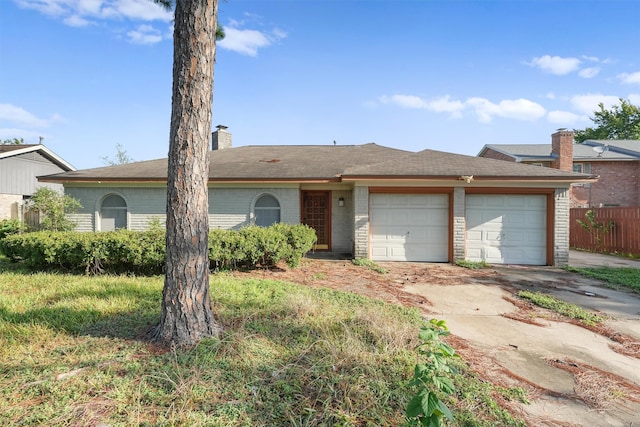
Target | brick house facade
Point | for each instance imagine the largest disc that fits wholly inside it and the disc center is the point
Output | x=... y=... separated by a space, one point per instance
x=615 y=163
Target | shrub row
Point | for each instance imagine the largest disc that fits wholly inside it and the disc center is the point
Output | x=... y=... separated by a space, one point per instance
x=143 y=252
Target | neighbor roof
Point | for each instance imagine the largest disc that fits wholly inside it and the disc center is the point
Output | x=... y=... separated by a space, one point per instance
x=11 y=150
x=617 y=150
x=322 y=163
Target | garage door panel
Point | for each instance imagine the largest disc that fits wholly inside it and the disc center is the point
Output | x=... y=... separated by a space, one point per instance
x=513 y=234
x=409 y=227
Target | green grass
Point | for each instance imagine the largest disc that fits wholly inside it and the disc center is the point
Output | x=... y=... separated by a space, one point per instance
x=371 y=265
x=472 y=264
x=73 y=352
x=614 y=277
x=566 y=309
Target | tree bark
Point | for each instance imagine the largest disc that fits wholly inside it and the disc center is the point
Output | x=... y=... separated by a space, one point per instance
x=187 y=314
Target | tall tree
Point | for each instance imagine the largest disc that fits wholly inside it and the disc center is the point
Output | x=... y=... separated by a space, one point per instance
x=13 y=141
x=187 y=315
x=620 y=122
x=120 y=158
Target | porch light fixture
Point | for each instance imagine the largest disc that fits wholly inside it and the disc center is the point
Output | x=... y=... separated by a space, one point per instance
x=341 y=201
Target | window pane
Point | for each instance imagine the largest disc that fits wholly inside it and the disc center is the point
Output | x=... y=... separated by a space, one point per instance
x=267 y=202
x=114 y=201
x=577 y=167
x=267 y=217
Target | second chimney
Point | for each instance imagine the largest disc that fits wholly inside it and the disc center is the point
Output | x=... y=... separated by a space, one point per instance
x=562 y=147
x=220 y=139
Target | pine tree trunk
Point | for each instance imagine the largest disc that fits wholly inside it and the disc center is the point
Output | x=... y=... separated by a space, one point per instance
x=187 y=315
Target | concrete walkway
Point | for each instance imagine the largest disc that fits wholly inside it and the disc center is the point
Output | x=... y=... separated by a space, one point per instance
x=588 y=259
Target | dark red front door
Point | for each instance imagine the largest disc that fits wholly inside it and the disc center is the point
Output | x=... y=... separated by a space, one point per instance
x=316 y=213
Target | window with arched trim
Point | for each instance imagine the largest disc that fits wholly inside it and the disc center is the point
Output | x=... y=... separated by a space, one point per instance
x=113 y=213
x=267 y=210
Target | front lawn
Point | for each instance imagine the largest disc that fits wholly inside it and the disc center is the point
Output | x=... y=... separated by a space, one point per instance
x=614 y=277
x=74 y=352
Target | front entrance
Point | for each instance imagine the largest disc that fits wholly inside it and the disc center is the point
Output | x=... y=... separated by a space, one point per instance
x=316 y=213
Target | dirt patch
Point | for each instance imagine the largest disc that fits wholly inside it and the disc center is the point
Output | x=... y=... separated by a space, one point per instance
x=506 y=340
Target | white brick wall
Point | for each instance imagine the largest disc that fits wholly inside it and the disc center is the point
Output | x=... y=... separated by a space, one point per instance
x=361 y=221
x=561 y=230
x=342 y=239
x=9 y=206
x=459 y=224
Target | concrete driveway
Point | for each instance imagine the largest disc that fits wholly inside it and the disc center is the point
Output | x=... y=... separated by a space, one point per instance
x=588 y=259
x=573 y=372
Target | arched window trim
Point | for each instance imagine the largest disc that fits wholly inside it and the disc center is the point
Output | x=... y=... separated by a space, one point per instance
x=99 y=208
x=255 y=209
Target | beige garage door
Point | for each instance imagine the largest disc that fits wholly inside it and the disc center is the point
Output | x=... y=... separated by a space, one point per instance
x=506 y=229
x=409 y=227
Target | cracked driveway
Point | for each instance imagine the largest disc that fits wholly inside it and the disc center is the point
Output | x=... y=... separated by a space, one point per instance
x=576 y=376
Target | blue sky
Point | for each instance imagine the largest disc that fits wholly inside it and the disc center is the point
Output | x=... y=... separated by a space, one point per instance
x=446 y=75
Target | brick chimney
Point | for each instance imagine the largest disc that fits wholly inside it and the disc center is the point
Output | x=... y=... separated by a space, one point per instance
x=562 y=147
x=220 y=139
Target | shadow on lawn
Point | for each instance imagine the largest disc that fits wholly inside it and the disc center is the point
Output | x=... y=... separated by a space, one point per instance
x=71 y=312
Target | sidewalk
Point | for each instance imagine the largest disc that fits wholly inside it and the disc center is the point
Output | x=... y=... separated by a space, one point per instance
x=588 y=259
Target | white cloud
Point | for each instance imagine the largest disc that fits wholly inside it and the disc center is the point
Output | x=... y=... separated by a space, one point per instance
x=588 y=73
x=144 y=34
x=555 y=64
x=405 y=101
x=634 y=98
x=485 y=110
x=247 y=42
x=81 y=13
x=629 y=78
x=76 y=21
x=564 y=118
x=18 y=115
x=517 y=109
x=443 y=104
x=588 y=104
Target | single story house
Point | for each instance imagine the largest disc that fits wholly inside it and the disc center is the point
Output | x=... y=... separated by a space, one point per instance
x=20 y=164
x=366 y=200
x=615 y=162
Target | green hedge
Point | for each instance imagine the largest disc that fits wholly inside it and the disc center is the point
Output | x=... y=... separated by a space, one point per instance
x=143 y=252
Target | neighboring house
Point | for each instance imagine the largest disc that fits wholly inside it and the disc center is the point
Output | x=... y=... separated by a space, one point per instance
x=615 y=162
x=366 y=200
x=20 y=164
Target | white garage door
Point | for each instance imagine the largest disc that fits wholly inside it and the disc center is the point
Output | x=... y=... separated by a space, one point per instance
x=409 y=227
x=506 y=229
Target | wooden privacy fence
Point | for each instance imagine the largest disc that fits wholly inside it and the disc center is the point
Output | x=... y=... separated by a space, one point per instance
x=623 y=236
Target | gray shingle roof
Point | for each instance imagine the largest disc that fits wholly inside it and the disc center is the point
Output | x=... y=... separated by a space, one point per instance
x=252 y=163
x=322 y=163
x=432 y=164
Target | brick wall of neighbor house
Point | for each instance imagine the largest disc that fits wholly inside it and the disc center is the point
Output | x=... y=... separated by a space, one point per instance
x=9 y=204
x=361 y=221
x=492 y=154
x=562 y=147
x=459 y=224
x=561 y=227
x=619 y=185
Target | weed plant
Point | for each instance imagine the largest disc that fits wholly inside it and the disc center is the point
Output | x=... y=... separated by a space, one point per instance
x=566 y=309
